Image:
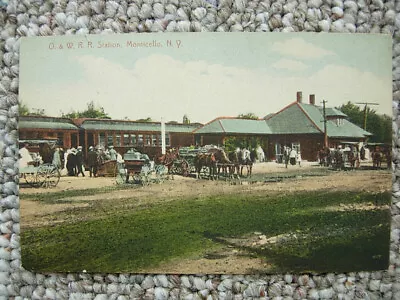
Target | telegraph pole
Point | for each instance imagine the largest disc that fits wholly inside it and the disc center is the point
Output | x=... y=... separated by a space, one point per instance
x=325 y=121
x=365 y=111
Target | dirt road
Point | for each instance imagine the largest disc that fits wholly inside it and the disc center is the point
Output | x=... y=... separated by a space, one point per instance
x=36 y=212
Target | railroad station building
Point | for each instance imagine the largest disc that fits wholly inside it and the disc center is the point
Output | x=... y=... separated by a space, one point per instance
x=299 y=125
x=143 y=136
x=122 y=134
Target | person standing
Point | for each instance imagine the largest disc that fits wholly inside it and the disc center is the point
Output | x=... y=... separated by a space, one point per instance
x=298 y=158
x=57 y=159
x=112 y=153
x=71 y=162
x=79 y=162
x=92 y=162
x=292 y=156
x=25 y=158
x=286 y=155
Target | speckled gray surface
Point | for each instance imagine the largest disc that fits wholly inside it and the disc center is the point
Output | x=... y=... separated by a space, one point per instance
x=31 y=18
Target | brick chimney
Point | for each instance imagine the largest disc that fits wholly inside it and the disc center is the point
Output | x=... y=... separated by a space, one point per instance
x=299 y=97
x=312 y=99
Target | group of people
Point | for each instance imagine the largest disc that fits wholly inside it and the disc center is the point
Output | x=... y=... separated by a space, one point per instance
x=75 y=163
x=72 y=159
x=292 y=156
x=352 y=155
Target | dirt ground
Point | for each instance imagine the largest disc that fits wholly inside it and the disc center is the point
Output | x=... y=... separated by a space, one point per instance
x=227 y=260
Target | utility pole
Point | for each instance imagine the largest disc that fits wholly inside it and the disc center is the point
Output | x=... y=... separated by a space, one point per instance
x=326 y=145
x=365 y=111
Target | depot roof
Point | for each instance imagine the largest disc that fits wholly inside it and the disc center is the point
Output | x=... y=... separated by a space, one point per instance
x=302 y=118
x=230 y=125
x=100 y=124
x=40 y=122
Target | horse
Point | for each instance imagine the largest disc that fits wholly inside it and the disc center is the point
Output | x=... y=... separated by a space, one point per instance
x=377 y=158
x=205 y=160
x=245 y=160
x=325 y=156
x=235 y=163
x=167 y=159
x=338 y=159
x=221 y=159
x=352 y=159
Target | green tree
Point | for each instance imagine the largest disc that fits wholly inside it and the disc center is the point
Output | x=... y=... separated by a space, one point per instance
x=250 y=116
x=24 y=110
x=250 y=142
x=379 y=125
x=91 y=111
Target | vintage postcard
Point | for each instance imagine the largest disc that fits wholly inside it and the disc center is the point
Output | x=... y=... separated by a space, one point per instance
x=207 y=153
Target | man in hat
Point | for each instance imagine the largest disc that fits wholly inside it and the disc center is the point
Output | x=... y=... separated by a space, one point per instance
x=71 y=162
x=79 y=162
x=112 y=153
x=92 y=162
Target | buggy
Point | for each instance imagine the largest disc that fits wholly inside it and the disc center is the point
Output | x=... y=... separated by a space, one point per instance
x=39 y=174
x=138 y=167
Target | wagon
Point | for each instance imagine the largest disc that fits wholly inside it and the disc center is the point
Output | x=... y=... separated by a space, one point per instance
x=184 y=164
x=39 y=174
x=108 y=168
x=44 y=175
x=138 y=167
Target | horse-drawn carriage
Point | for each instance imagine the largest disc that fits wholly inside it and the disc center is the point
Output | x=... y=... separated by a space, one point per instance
x=345 y=156
x=212 y=162
x=39 y=172
x=137 y=168
x=184 y=164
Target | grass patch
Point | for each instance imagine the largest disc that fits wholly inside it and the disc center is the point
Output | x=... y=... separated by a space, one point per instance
x=132 y=240
x=55 y=197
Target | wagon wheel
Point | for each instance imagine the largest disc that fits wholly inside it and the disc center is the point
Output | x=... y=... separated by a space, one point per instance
x=121 y=176
x=144 y=175
x=32 y=179
x=160 y=173
x=205 y=171
x=48 y=175
x=185 y=168
x=137 y=178
x=175 y=168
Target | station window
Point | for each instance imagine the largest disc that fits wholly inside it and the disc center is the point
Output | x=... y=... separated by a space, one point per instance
x=110 y=140
x=147 y=140
x=140 y=139
x=296 y=146
x=60 y=138
x=126 y=140
x=167 y=140
x=133 y=139
x=102 y=139
x=154 y=140
x=117 y=140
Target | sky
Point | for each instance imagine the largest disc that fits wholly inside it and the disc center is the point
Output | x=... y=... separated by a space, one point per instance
x=203 y=75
